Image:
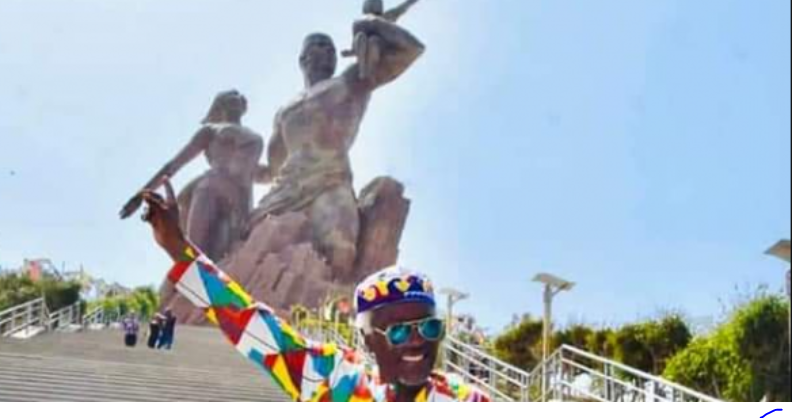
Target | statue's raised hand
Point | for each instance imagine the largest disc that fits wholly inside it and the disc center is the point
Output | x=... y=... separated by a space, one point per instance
x=132 y=206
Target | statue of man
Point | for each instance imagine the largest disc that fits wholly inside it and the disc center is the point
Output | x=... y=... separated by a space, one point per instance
x=215 y=206
x=308 y=152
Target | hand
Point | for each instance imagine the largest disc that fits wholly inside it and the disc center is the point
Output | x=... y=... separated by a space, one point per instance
x=367 y=24
x=131 y=207
x=164 y=217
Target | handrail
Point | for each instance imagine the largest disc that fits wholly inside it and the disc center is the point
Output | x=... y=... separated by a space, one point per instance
x=20 y=306
x=93 y=317
x=22 y=317
x=64 y=317
x=510 y=367
x=494 y=392
x=325 y=336
x=501 y=380
x=324 y=331
x=639 y=373
x=556 y=376
x=34 y=313
x=568 y=373
x=597 y=374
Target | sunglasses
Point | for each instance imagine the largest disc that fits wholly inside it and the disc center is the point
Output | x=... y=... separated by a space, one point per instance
x=431 y=329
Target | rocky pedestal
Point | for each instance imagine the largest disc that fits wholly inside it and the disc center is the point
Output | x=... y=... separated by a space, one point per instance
x=279 y=265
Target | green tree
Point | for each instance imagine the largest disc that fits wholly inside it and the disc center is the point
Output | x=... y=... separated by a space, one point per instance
x=648 y=345
x=745 y=359
x=600 y=342
x=520 y=345
x=711 y=365
x=761 y=335
x=143 y=301
x=577 y=336
x=58 y=293
x=17 y=289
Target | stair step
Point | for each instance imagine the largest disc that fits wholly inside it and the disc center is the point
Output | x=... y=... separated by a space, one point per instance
x=95 y=366
x=66 y=364
x=122 y=394
x=211 y=387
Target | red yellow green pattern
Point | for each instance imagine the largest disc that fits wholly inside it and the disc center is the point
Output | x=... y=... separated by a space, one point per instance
x=305 y=370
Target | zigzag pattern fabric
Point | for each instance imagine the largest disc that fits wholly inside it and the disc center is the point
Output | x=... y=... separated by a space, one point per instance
x=305 y=370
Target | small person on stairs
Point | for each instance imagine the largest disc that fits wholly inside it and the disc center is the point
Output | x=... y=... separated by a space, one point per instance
x=131 y=328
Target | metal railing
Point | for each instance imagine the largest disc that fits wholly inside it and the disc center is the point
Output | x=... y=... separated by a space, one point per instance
x=571 y=374
x=63 y=318
x=500 y=380
x=34 y=314
x=325 y=331
x=343 y=335
x=23 y=317
x=96 y=316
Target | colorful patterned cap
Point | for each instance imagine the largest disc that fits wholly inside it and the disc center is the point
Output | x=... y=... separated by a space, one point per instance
x=390 y=286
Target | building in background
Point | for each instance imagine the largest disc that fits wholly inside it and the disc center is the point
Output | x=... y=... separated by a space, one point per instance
x=39 y=268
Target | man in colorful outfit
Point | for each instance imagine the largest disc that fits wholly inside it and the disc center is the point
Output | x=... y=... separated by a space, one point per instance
x=396 y=314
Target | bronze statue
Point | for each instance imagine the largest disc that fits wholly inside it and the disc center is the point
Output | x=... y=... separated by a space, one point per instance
x=368 y=53
x=215 y=206
x=308 y=152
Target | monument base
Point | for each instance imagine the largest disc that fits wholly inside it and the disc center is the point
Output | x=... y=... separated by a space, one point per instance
x=279 y=265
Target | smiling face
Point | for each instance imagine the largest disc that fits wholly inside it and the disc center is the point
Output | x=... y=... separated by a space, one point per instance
x=409 y=364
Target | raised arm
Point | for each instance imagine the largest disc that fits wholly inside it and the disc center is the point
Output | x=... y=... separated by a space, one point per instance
x=399 y=49
x=298 y=366
x=196 y=145
x=395 y=14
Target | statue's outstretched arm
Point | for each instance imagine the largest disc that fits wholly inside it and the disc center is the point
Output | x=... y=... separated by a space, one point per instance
x=395 y=14
x=196 y=145
x=399 y=49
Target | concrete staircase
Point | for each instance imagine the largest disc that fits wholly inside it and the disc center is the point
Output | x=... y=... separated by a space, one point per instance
x=96 y=366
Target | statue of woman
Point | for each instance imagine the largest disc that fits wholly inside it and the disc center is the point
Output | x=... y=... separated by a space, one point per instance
x=215 y=206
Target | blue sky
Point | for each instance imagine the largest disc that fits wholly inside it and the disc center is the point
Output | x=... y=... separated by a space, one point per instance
x=639 y=148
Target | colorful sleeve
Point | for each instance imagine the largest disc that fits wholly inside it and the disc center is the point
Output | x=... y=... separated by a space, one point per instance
x=300 y=368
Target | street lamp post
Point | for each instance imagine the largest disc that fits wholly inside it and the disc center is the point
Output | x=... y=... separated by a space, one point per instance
x=453 y=296
x=783 y=250
x=552 y=287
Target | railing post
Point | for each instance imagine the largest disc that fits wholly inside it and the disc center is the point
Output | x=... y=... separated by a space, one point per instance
x=526 y=388
x=45 y=321
x=558 y=381
x=29 y=318
x=544 y=380
x=493 y=376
